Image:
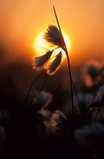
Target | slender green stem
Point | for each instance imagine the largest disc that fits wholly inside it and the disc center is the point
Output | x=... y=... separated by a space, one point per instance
x=97 y=114
x=66 y=51
x=32 y=86
x=56 y=18
x=71 y=87
x=13 y=88
x=77 y=97
x=44 y=82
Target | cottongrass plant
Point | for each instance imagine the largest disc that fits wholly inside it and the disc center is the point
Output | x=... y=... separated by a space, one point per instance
x=57 y=118
x=54 y=37
x=90 y=141
x=41 y=111
x=89 y=133
x=40 y=61
x=85 y=100
x=98 y=101
x=93 y=73
x=59 y=124
x=42 y=100
x=55 y=64
x=39 y=114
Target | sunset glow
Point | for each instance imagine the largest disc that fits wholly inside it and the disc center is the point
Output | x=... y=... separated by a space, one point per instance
x=82 y=21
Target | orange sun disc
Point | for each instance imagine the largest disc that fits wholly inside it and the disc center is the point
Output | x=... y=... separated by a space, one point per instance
x=40 y=45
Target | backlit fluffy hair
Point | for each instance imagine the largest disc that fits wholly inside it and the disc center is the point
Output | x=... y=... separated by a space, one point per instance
x=54 y=36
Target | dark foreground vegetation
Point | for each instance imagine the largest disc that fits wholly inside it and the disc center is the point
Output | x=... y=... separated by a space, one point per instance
x=41 y=124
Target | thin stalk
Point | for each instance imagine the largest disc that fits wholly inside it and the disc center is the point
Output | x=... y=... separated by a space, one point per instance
x=32 y=86
x=77 y=98
x=56 y=18
x=65 y=48
x=44 y=82
x=97 y=114
x=71 y=87
x=13 y=88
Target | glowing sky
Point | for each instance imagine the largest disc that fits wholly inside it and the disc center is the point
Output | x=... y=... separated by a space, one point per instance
x=81 y=20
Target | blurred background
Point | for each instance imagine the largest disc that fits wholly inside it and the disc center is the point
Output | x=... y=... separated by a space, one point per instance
x=21 y=22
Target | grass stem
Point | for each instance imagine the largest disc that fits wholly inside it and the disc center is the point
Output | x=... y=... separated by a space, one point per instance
x=66 y=51
x=32 y=86
x=97 y=114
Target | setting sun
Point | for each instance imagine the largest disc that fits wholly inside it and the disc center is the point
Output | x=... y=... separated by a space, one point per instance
x=40 y=45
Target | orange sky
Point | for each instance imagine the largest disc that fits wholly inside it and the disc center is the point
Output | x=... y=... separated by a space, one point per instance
x=81 y=20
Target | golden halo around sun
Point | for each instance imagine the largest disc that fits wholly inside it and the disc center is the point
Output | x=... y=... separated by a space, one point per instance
x=40 y=45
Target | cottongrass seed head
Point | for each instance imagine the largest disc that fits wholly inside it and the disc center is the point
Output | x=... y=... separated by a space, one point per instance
x=54 y=37
x=55 y=63
x=40 y=61
x=99 y=99
x=89 y=133
x=57 y=118
x=84 y=100
x=43 y=99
